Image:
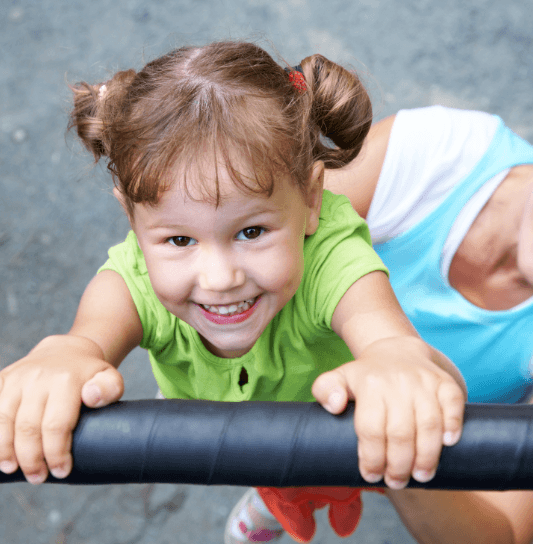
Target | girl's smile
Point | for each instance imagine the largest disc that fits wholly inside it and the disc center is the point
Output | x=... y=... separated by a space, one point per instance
x=227 y=270
x=230 y=314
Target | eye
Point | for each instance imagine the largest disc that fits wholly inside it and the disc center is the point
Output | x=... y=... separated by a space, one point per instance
x=181 y=241
x=250 y=233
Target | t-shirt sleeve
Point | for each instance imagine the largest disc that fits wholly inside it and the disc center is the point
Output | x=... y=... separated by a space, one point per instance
x=336 y=256
x=430 y=150
x=127 y=260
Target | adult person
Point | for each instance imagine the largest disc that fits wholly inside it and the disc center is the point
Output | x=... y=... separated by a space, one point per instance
x=448 y=198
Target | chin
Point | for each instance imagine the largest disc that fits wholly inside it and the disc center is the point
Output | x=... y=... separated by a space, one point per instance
x=227 y=351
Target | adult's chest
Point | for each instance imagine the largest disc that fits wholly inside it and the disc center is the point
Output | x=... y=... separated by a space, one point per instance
x=485 y=269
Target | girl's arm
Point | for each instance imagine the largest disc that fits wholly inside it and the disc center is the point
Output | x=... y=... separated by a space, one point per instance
x=358 y=179
x=409 y=396
x=41 y=394
x=107 y=316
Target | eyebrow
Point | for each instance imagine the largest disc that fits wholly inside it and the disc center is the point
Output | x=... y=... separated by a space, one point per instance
x=255 y=211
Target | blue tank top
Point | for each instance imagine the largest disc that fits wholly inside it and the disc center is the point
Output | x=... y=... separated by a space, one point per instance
x=492 y=349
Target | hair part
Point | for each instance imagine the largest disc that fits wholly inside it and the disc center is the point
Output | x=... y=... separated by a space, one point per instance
x=225 y=105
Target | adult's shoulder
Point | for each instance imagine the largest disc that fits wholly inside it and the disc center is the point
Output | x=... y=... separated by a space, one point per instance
x=442 y=127
x=429 y=151
x=438 y=112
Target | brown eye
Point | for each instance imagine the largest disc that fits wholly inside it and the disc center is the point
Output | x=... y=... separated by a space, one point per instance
x=181 y=241
x=250 y=233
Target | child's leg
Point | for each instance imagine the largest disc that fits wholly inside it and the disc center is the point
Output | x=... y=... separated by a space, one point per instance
x=294 y=508
x=251 y=521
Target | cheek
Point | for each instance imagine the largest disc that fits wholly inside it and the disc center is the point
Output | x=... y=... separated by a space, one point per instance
x=163 y=281
x=282 y=272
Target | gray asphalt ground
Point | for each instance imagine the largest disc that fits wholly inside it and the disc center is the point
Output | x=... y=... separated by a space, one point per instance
x=57 y=216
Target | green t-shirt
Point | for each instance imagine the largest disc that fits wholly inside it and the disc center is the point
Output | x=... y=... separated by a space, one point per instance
x=297 y=345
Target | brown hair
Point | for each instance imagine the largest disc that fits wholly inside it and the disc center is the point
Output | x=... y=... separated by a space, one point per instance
x=225 y=104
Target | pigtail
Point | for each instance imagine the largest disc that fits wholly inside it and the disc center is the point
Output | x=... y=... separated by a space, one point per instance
x=341 y=111
x=96 y=108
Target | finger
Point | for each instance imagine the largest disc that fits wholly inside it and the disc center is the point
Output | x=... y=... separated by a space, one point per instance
x=452 y=404
x=428 y=438
x=8 y=408
x=28 y=438
x=59 y=420
x=370 y=421
x=401 y=437
x=103 y=388
x=331 y=391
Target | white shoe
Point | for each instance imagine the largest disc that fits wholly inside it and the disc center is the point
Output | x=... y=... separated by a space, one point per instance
x=251 y=521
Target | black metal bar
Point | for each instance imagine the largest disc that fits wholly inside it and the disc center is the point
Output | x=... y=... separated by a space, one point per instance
x=278 y=444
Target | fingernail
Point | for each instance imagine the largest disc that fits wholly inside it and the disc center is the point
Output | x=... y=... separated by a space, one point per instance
x=450 y=439
x=36 y=478
x=396 y=484
x=8 y=467
x=334 y=401
x=94 y=394
x=423 y=476
x=373 y=478
x=59 y=472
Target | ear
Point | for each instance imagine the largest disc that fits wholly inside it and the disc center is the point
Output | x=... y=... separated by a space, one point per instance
x=315 y=188
x=122 y=199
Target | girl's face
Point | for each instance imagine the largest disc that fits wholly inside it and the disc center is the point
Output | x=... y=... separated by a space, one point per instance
x=228 y=271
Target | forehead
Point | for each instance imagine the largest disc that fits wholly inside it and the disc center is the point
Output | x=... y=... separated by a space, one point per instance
x=190 y=201
x=217 y=181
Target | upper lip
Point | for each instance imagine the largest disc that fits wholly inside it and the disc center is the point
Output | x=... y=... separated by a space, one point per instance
x=226 y=303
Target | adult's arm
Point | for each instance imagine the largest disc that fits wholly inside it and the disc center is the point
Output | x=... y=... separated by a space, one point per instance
x=463 y=517
x=358 y=179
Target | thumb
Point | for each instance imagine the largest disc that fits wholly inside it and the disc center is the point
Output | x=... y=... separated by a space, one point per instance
x=331 y=391
x=103 y=388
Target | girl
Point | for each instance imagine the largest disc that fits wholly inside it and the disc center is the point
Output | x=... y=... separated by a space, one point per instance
x=241 y=276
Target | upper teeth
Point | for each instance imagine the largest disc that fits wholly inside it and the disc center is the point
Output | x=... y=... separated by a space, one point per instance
x=230 y=309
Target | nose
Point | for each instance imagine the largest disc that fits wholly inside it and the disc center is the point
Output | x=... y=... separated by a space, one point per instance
x=219 y=272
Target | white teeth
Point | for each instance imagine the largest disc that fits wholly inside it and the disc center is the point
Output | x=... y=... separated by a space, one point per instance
x=231 y=309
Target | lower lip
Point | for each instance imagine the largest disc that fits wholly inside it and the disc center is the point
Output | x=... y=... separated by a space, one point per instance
x=229 y=319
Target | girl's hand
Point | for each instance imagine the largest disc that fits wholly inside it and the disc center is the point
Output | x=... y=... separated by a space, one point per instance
x=407 y=407
x=40 y=400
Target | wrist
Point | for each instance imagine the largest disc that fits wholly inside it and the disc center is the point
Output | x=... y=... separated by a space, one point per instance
x=68 y=342
x=402 y=344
